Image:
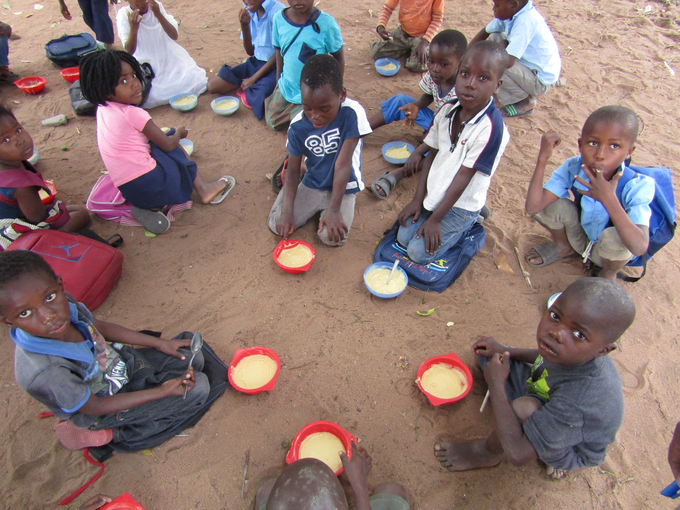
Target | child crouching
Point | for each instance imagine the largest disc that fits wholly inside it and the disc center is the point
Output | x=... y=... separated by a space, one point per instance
x=63 y=361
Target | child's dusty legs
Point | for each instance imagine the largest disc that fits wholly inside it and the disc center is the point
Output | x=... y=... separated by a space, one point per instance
x=483 y=452
x=208 y=190
x=610 y=253
x=562 y=220
x=217 y=85
x=79 y=219
x=376 y=120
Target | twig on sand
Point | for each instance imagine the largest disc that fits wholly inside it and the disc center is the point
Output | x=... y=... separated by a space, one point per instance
x=521 y=266
x=244 y=485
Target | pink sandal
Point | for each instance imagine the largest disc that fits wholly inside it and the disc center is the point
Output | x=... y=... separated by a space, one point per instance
x=241 y=94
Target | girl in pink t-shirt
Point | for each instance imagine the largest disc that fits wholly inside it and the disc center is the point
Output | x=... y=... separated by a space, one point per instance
x=150 y=168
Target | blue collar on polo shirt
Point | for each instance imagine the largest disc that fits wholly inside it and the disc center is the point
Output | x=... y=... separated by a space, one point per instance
x=82 y=351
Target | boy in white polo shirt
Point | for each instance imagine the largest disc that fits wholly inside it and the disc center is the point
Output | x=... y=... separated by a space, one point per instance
x=467 y=140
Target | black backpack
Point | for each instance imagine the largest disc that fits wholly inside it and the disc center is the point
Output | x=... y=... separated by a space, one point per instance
x=68 y=50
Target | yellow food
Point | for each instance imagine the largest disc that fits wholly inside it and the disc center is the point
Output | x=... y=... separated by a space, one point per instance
x=184 y=101
x=254 y=371
x=398 y=152
x=376 y=279
x=226 y=104
x=444 y=381
x=388 y=67
x=297 y=256
x=323 y=446
x=165 y=129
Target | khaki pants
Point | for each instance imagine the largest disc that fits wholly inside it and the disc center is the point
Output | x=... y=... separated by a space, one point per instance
x=519 y=82
x=563 y=214
x=401 y=45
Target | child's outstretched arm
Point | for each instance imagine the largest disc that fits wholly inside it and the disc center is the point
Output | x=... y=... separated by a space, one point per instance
x=357 y=470
x=516 y=446
x=167 y=26
x=164 y=142
x=414 y=160
x=411 y=110
x=115 y=333
x=634 y=237
x=488 y=347
x=286 y=224
x=482 y=35
x=261 y=73
x=244 y=20
x=331 y=218
x=415 y=207
x=385 y=12
x=538 y=198
x=134 y=18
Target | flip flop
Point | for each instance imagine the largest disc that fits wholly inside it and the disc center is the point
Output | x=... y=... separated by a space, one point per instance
x=230 y=183
x=241 y=94
x=510 y=111
x=73 y=437
x=154 y=221
x=378 y=184
x=548 y=253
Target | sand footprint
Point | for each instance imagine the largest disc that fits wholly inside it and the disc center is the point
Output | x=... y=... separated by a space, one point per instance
x=631 y=379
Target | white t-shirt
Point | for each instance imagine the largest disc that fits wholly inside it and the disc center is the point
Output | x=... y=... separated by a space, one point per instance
x=480 y=146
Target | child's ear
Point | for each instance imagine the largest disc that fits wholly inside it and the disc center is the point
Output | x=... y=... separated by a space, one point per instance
x=60 y=282
x=630 y=151
x=343 y=95
x=605 y=350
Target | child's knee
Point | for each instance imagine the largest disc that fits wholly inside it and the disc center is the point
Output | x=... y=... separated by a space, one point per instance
x=214 y=84
x=611 y=247
x=201 y=389
x=560 y=214
x=524 y=407
x=325 y=239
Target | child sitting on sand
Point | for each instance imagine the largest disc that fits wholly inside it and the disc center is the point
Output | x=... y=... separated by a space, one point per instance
x=535 y=62
x=299 y=32
x=150 y=34
x=63 y=361
x=466 y=143
x=562 y=402
x=255 y=79
x=596 y=225
x=21 y=207
x=419 y=22
x=328 y=133
x=149 y=168
x=446 y=51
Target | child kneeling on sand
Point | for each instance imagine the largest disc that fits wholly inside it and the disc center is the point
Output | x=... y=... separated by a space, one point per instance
x=562 y=402
x=596 y=224
x=328 y=133
x=466 y=143
x=63 y=361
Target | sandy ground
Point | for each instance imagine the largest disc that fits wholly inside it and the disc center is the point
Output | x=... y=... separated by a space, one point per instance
x=213 y=272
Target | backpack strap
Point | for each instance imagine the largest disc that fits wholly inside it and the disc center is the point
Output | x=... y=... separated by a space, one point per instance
x=21 y=178
x=310 y=21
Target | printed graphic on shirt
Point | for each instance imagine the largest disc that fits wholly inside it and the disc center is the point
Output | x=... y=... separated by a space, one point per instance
x=537 y=384
x=328 y=143
x=112 y=374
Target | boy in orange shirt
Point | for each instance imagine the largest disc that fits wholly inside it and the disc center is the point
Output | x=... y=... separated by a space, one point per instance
x=419 y=22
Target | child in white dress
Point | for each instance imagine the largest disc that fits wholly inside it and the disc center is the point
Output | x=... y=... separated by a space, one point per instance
x=150 y=34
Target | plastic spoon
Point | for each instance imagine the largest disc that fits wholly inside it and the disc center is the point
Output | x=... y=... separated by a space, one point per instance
x=394 y=268
x=196 y=345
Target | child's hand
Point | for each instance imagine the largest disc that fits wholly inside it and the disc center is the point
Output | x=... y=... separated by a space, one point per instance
x=358 y=467
x=382 y=33
x=411 y=166
x=336 y=228
x=175 y=387
x=598 y=188
x=182 y=131
x=153 y=5
x=487 y=347
x=432 y=230
x=244 y=16
x=247 y=82
x=412 y=209
x=285 y=226
x=498 y=368
x=170 y=347
x=64 y=10
x=96 y=502
x=134 y=18
x=549 y=141
x=411 y=111
x=421 y=52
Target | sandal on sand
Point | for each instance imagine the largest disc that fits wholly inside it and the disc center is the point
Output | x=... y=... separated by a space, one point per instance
x=241 y=94
x=511 y=111
x=154 y=221
x=382 y=186
x=230 y=183
x=548 y=253
x=73 y=437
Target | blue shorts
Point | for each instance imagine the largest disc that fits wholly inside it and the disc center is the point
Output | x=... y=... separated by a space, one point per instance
x=392 y=113
x=258 y=91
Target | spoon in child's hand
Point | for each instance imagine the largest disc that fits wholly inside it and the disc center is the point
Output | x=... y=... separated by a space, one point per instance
x=394 y=268
x=195 y=346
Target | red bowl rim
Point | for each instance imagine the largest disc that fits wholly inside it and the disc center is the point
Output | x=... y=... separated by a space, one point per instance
x=40 y=81
x=321 y=426
x=286 y=244
x=251 y=351
x=53 y=192
x=70 y=74
x=449 y=359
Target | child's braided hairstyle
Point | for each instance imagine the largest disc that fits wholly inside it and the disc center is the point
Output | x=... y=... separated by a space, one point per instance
x=100 y=72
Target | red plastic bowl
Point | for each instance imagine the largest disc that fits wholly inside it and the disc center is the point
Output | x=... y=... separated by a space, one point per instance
x=44 y=197
x=123 y=502
x=244 y=353
x=31 y=84
x=320 y=426
x=447 y=359
x=286 y=244
x=70 y=74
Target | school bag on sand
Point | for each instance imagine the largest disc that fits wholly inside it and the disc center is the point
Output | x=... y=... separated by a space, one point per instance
x=216 y=371
x=88 y=268
x=437 y=275
x=68 y=50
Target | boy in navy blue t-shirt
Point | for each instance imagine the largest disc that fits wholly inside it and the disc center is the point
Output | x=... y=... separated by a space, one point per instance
x=328 y=134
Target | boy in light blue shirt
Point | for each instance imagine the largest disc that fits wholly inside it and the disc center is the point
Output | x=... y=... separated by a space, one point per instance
x=255 y=79
x=300 y=32
x=535 y=62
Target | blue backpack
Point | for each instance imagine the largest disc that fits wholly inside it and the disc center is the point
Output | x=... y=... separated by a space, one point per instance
x=662 y=223
x=437 y=275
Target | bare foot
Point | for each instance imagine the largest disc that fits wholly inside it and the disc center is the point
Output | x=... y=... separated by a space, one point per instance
x=563 y=251
x=554 y=473
x=466 y=456
x=209 y=190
